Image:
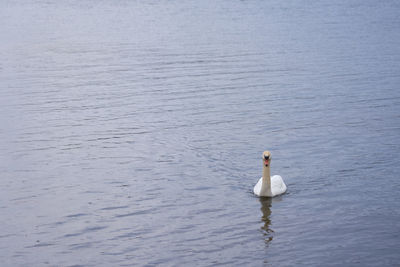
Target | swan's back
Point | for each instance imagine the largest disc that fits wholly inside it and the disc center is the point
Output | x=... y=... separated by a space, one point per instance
x=257 y=187
x=277 y=185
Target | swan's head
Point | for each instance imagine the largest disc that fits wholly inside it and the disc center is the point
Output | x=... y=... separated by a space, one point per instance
x=266 y=158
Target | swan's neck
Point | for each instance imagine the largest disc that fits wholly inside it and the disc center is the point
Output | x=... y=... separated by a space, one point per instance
x=266 y=180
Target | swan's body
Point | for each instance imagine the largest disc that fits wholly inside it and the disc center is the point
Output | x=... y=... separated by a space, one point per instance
x=268 y=186
x=278 y=187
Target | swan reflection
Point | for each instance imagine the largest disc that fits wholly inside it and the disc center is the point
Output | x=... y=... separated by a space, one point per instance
x=266 y=213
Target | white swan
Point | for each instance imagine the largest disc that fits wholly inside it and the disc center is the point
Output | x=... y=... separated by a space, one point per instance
x=269 y=186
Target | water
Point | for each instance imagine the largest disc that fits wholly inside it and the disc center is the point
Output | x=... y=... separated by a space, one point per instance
x=132 y=132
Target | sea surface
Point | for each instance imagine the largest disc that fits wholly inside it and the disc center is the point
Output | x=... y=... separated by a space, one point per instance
x=131 y=132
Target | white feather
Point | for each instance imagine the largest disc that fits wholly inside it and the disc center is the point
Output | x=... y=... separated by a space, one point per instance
x=278 y=187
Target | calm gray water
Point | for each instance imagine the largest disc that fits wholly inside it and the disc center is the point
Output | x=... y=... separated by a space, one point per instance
x=132 y=132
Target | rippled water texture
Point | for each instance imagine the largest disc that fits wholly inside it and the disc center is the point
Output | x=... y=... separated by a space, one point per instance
x=132 y=131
